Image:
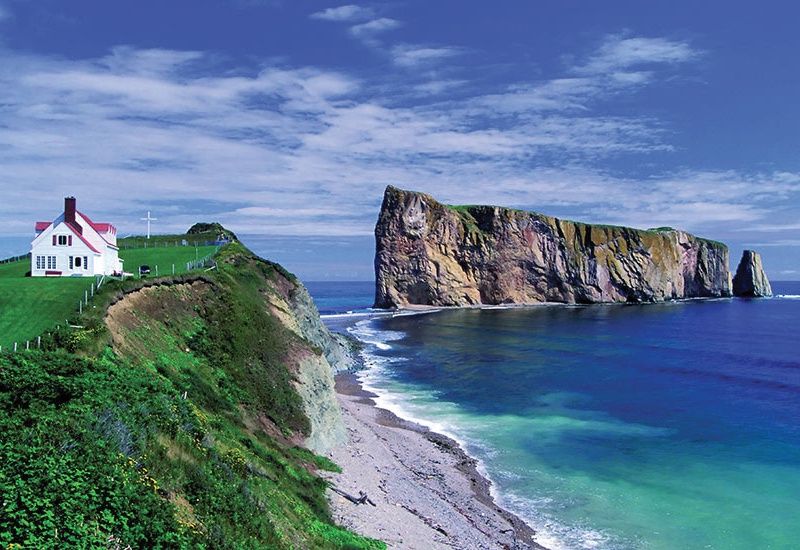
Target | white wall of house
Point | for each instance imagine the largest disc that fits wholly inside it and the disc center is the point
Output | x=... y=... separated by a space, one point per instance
x=72 y=246
x=75 y=259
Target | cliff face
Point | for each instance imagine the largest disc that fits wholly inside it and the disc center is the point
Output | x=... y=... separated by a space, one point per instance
x=433 y=254
x=283 y=331
x=750 y=279
x=327 y=354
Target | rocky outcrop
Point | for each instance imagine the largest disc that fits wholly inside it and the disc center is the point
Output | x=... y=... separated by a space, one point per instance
x=340 y=351
x=324 y=354
x=429 y=253
x=750 y=280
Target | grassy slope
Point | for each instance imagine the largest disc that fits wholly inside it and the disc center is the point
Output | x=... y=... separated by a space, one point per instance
x=30 y=306
x=100 y=445
x=164 y=258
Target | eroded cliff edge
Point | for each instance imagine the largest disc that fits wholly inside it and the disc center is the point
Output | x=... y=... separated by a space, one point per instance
x=428 y=253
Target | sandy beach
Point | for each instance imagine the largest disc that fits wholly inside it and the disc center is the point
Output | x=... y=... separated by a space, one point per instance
x=427 y=493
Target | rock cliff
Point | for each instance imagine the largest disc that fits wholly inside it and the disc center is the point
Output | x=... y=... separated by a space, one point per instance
x=433 y=254
x=750 y=279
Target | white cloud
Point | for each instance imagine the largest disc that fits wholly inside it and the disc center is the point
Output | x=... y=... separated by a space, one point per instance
x=4 y=13
x=367 y=32
x=349 y=12
x=619 y=54
x=773 y=228
x=411 y=55
x=437 y=86
x=280 y=150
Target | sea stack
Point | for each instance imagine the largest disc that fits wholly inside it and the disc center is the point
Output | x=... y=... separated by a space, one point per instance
x=750 y=280
x=428 y=253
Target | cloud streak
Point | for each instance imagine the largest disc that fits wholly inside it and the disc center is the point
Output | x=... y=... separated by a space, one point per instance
x=307 y=151
x=346 y=13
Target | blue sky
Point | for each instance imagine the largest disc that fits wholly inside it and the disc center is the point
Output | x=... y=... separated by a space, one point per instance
x=286 y=120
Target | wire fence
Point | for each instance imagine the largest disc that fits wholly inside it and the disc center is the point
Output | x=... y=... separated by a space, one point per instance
x=129 y=243
x=16 y=258
x=208 y=263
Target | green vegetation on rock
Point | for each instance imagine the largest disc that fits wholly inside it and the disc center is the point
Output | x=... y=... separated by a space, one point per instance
x=29 y=306
x=169 y=419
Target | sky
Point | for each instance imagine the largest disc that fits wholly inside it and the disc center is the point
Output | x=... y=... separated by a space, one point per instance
x=285 y=120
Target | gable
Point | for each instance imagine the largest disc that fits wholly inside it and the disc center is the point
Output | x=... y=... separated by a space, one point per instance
x=74 y=238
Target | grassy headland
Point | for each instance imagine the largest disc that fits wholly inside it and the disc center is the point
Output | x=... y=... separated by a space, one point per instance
x=169 y=419
x=30 y=306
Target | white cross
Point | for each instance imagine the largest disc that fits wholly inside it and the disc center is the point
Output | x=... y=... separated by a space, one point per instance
x=149 y=219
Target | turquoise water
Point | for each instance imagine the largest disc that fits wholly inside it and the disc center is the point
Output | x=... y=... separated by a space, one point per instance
x=657 y=426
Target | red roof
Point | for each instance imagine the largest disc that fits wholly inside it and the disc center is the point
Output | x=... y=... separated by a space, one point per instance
x=81 y=237
x=99 y=227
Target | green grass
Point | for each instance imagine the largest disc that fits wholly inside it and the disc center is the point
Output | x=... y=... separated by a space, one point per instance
x=164 y=258
x=162 y=443
x=30 y=306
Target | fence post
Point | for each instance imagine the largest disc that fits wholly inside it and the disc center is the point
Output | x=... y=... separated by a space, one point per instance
x=173 y=269
x=38 y=342
x=15 y=347
x=80 y=307
x=156 y=271
x=27 y=344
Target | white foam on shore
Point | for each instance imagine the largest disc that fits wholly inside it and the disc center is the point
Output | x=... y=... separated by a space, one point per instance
x=357 y=313
x=368 y=334
x=788 y=296
x=414 y=406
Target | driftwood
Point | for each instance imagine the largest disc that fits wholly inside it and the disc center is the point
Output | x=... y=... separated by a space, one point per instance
x=362 y=497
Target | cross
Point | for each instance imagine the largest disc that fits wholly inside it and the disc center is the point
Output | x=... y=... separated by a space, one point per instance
x=149 y=219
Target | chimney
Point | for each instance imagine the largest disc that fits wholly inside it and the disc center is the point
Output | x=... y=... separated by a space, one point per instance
x=69 y=213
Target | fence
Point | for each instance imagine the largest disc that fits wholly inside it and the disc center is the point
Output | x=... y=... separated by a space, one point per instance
x=207 y=262
x=88 y=294
x=129 y=243
x=16 y=258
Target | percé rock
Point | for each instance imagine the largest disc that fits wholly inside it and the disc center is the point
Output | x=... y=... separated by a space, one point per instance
x=750 y=279
x=432 y=254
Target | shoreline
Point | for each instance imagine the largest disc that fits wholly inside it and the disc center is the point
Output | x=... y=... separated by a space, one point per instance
x=427 y=491
x=422 y=309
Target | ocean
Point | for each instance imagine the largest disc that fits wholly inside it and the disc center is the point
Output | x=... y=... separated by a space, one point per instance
x=659 y=426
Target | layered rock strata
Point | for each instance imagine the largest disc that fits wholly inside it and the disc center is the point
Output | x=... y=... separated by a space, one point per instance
x=428 y=253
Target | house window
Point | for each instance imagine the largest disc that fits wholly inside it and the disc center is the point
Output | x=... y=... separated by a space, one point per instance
x=78 y=261
x=85 y=262
x=51 y=262
x=40 y=262
x=62 y=240
x=71 y=263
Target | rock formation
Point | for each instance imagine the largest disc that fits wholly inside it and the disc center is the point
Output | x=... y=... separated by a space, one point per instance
x=429 y=253
x=750 y=279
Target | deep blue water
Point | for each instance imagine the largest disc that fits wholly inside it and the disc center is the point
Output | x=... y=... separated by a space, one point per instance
x=656 y=426
x=337 y=297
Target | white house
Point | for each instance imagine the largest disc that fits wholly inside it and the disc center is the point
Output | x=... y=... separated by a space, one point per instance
x=73 y=245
